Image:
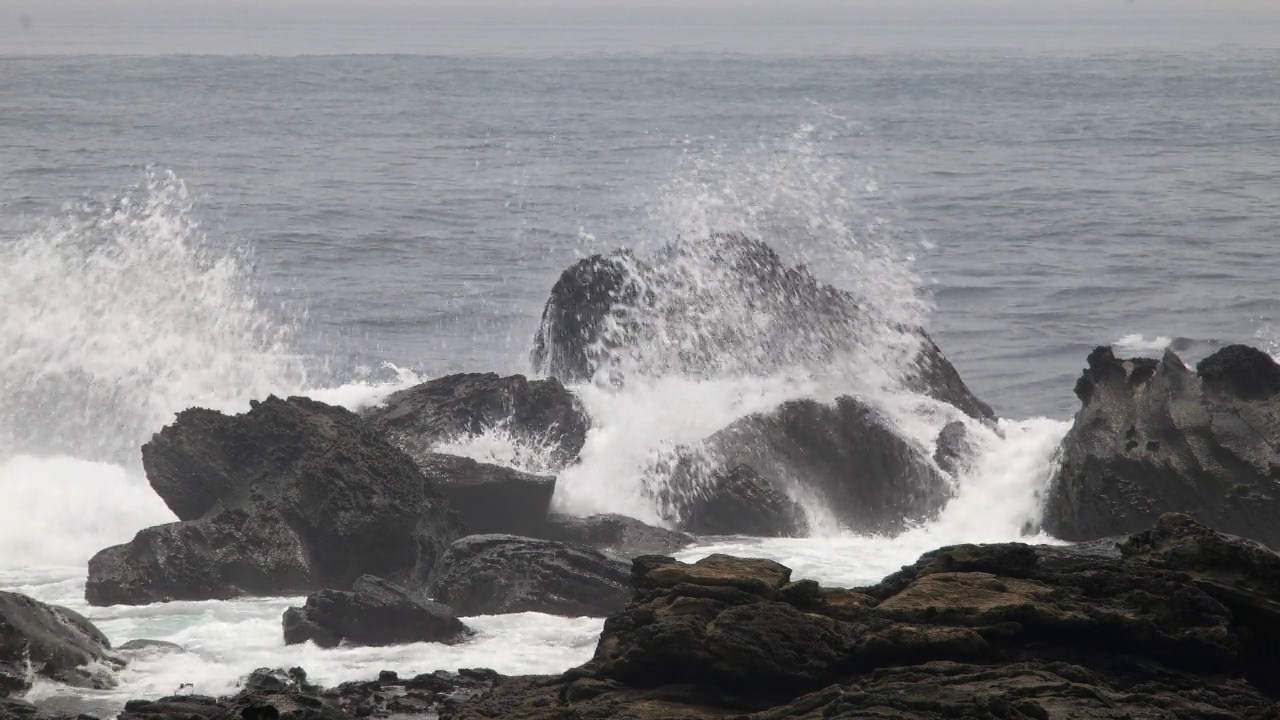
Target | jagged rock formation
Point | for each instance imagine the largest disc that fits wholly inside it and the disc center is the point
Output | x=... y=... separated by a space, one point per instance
x=1179 y=626
x=541 y=415
x=1174 y=623
x=294 y=495
x=722 y=304
x=1152 y=436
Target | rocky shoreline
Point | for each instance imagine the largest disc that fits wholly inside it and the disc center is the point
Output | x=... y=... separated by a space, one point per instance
x=1150 y=615
x=1177 y=621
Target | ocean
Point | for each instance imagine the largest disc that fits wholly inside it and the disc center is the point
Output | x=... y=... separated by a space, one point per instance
x=186 y=224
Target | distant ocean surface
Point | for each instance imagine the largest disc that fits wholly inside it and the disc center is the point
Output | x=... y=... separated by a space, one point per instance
x=181 y=229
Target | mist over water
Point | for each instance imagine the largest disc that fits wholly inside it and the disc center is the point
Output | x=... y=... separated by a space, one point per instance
x=117 y=316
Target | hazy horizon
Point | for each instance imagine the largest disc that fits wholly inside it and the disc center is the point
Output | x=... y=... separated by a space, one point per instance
x=289 y=27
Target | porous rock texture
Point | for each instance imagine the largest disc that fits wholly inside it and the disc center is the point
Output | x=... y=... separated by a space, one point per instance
x=1178 y=626
x=294 y=495
x=540 y=417
x=1153 y=436
x=1177 y=622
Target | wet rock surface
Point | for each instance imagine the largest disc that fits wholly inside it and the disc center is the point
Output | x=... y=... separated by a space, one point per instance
x=1172 y=623
x=707 y=498
x=1153 y=436
x=286 y=695
x=540 y=416
x=294 y=495
x=373 y=612
x=846 y=454
x=606 y=309
x=489 y=498
x=617 y=535
x=1000 y=631
x=493 y=574
x=50 y=642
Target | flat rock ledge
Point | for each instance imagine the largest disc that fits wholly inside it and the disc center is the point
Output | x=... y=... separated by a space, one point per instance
x=1177 y=621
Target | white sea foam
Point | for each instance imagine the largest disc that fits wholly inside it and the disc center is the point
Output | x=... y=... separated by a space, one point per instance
x=59 y=511
x=116 y=317
x=122 y=316
x=1139 y=344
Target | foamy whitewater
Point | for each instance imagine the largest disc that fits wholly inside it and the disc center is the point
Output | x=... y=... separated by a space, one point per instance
x=119 y=313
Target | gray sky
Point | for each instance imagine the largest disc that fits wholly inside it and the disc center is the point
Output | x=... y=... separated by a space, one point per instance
x=548 y=26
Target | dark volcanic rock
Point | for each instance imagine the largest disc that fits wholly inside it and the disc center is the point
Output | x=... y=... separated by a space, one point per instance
x=1177 y=625
x=729 y=305
x=541 y=415
x=846 y=454
x=294 y=495
x=491 y=498
x=244 y=551
x=705 y=498
x=144 y=645
x=39 y=640
x=373 y=612
x=495 y=574
x=286 y=695
x=1154 y=437
x=996 y=632
x=615 y=534
x=955 y=451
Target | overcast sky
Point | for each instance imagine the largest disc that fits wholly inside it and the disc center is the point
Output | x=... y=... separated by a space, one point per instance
x=660 y=10
x=448 y=26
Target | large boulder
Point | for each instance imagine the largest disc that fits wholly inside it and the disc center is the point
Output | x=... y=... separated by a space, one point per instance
x=705 y=495
x=234 y=553
x=1152 y=436
x=294 y=495
x=722 y=305
x=373 y=612
x=1009 y=631
x=496 y=574
x=543 y=419
x=845 y=454
x=491 y=498
x=46 y=641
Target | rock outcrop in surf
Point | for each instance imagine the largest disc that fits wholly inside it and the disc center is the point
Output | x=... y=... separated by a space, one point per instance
x=373 y=612
x=722 y=306
x=495 y=574
x=617 y=535
x=39 y=641
x=1153 y=436
x=293 y=495
x=845 y=454
x=491 y=498
x=540 y=416
x=1177 y=621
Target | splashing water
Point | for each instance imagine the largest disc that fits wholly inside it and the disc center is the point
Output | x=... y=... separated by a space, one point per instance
x=716 y=326
x=714 y=300
x=121 y=316
x=117 y=317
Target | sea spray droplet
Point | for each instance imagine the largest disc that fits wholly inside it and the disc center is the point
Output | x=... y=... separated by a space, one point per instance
x=117 y=317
